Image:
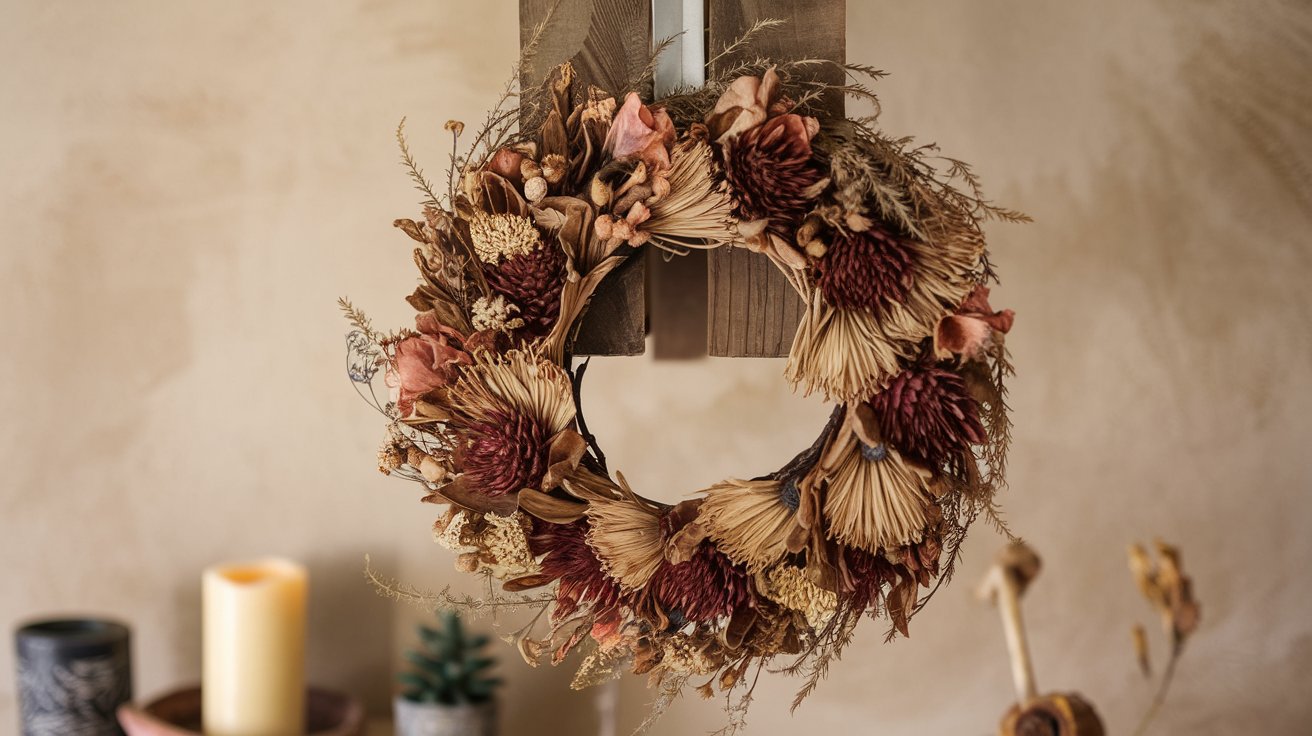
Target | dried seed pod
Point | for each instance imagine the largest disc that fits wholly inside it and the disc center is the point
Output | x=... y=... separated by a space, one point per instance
x=553 y=168
x=535 y=189
x=600 y=192
x=808 y=236
x=468 y=562
x=529 y=169
x=660 y=188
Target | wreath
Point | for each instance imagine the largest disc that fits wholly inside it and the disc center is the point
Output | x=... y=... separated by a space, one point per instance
x=882 y=242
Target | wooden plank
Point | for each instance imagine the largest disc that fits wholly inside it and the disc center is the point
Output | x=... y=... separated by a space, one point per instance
x=677 y=303
x=676 y=285
x=753 y=310
x=608 y=42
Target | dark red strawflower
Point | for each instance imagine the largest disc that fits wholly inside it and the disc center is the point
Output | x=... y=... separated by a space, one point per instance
x=865 y=270
x=573 y=563
x=707 y=587
x=532 y=282
x=769 y=167
x=928 y=415
x=504 y=454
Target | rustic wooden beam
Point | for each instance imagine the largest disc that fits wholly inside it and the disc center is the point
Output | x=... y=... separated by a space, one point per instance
x=608 y=42
x=753 y=310
x=676 y=285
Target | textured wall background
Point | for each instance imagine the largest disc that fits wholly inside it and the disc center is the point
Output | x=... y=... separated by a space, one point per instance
x=189 y=186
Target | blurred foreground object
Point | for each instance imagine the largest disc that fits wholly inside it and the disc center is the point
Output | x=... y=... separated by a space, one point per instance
x=254 y=615
x=1163 y=582
x=328 y=713
x=448 y=692
x=72 y=675
x=1054 y=714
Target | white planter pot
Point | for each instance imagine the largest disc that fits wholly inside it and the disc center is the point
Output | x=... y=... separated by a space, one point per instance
x=428 y=719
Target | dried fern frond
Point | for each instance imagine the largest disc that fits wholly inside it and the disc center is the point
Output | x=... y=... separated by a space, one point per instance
x=416 y=174
x=445 y=599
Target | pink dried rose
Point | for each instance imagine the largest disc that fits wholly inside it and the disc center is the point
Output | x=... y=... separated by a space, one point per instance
x=425 y=362
x=970 y=332
x=745 y=104
x=640 y=131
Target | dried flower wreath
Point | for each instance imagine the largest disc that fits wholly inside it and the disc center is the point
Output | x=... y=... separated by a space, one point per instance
x=888 y=256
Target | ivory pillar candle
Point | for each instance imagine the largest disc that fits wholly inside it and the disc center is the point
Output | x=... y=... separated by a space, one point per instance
x=253 y=680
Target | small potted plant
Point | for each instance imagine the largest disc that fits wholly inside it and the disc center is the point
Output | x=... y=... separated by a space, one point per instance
x=447 y=691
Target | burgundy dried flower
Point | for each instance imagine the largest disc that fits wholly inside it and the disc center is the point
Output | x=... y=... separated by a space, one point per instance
x=706 y=587
x=929 y=415
x=866 y=270
x=570 y=560
x=863 y=578
x=770 y=167
x=532 y=282
x=506 y=453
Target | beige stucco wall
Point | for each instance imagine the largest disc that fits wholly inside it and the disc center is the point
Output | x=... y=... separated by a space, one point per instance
x=187 y=187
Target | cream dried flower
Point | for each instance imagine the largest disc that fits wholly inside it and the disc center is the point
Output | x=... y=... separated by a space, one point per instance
x=506 y=539
x=500 y=548
x=495 y=314
x=789 y=587
x=499 y=237
x=683 y=657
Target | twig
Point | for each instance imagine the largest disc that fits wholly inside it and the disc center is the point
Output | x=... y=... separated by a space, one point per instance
x=806 y=459
x=1177 y=648
x=576 y=379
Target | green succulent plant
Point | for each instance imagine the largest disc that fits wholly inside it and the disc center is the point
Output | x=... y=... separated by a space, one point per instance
x=449 y=667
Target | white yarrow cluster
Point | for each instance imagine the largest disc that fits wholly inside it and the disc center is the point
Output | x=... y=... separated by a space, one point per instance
x=495 y=314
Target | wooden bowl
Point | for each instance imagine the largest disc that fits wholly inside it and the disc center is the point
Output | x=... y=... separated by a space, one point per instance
x=328 y=713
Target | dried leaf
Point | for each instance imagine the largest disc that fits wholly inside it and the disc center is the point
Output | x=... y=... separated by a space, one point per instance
x=563 y=455
x=549 y=508
x=527 y=582
x=461 y=495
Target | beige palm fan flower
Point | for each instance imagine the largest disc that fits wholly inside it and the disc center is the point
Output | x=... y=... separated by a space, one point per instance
x=697 y=212
x=626 y=533
x=751 y=521
x=875 y=499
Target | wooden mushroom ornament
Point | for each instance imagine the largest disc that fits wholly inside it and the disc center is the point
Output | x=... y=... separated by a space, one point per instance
x=1054 y=714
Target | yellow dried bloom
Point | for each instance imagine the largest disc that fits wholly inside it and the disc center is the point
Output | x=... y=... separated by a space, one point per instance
x=498 y=237
x=789 y=587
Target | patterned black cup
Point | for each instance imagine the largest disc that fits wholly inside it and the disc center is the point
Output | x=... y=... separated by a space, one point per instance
x=72 y=676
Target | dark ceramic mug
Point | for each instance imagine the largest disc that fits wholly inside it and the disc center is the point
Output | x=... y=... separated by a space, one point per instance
x=72 y=676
